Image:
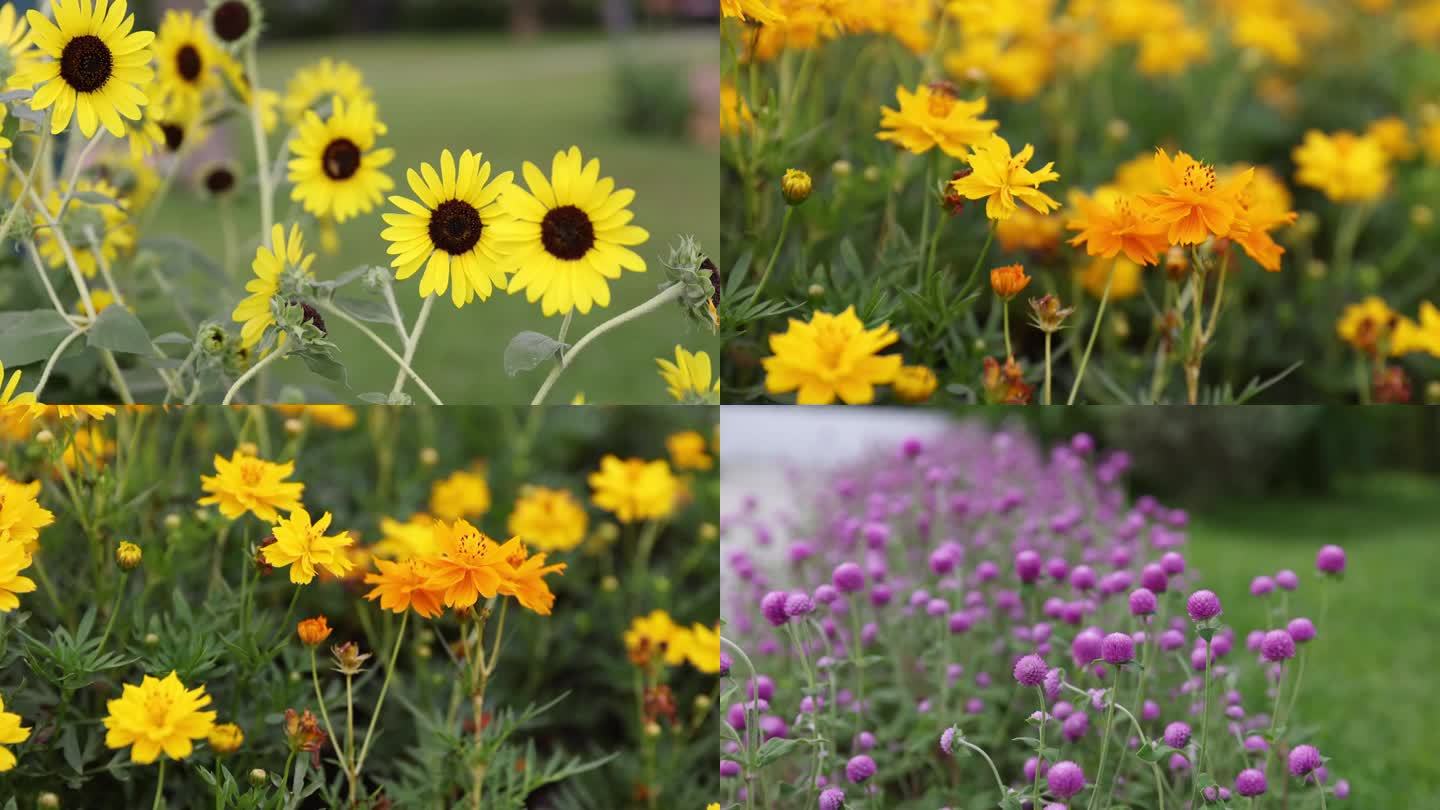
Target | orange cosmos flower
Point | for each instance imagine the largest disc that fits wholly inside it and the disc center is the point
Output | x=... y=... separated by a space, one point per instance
x=1193 y=203
x=1008 y=281
x=469 y=564
x=400 y=586
x=526 y=578
x=1108 y=225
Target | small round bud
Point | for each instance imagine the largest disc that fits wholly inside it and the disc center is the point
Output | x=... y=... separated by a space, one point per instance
x=258 y=777
x=128 y=555
x=703 y=703
x=152 y=639
x=294 y=426
x=871 y=174
x=429 y=456
x=1432 y=392
x=172 y=521
x=709 y=532
x=1306 y=224
x=247 y=448
x=609 y=584
x=795 y=185
x=212 y=339
x=44 y=437
x=1117 y=129
x=816 y=291
x=652 y=729
x=1317 y=270
x=842 y=168
x=1422 y=217
x=313 y=631
x=48 y=801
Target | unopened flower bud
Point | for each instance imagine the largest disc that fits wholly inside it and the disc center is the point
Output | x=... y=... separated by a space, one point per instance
x=842 y=168
x=152 y=639
x=795 y=185
x=313 y=631
x=247 y=449
x=172 y=521
x=816 y=291
x=294 y=426
x=128 y=555
x=44 y=437
x=609 y=584
x=871 y=174
x=48 y=801
x=1117 y=129
x=258 y=777
x=429 y=456
x=1316 y=269
x=1422 y=217
x=1432 y=393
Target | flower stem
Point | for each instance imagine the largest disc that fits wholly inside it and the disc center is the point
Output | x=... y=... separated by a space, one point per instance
x=999 y=783
x=664 y=297
x=1047 y=368
x=324 y=713
x=159 y=787
x=385 y=347
x=1204 y=752
x=1040 y=752
x=29 y=178
x=384 y=687
x=274 y=355
x=1005 y=318
x=262 y=148
x=411 y=341
x=775 y=253
x=979 y=261
x=1094 y=331
x=1105 y=741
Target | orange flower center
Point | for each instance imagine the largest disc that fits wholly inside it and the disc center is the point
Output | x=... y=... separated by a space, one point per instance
x=471 y=546
x=830 y=344
x=1199 y=178
x=251 y=472
x=157 y=707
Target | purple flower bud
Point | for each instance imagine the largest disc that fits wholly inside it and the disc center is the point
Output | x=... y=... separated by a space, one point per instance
x=947 y=741
x=799 y=604
x=876 y=535
x=1256 y=744
x=1075 y=726
x=1172 y=563
x=1330 y=559
x=937 y=607
x=880 y=595
x=729 y=768
x=1172 y=640
x=864 y=741
x=1262 y=586
x=1082 y=578
x=826 y=594
x=1086 y=646
x=1277 y=646
x=1052 y=685
x=801 y=550
x=1177 y=735
x=1031 y=670
x=1117 y=648
x=1304 y=759
x=773 y=606
x=1142 y=602
x=1065 y=779
x=986 y=571
x=772 y=727
x=1027 y=566
x=1202 y=606
x=912 y=447
x=848 y=577
x=724 y=664
x=832 y=799
x=859 y=768
x=1301 y=629
x=1057 y=568
x=960 y=621
x=1342 y=789
x=1150 y=711
x=1287 y=579
x=1082 y=443
x=1153 y=577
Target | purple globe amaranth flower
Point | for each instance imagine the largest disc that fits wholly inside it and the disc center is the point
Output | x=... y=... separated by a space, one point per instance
x=1256 y=744
x=799 y=604
x=1330 y=559
x=912 y=447
x=1301 y=629
x=1262 y=586
x=1057 y=568
x=947 y=740
x=1202 y=606
x=1075 y=726
x=772 y=727
x=826 y=594
x=1154 y=577
x=864 y=741
x=1087 y=646
x=880 y=595
x=1142 y=602
x=1277 y=645
x=832 y=799
x=1177 y=735
x=1287 y=580
x=960 y=621
x=848 y=578
x=1172 y=640
x=860 y=768
x=1031 y=670
x=1052 y=685
x=725 y=664
x=876 y=535
x=729 y=768
x=1065 y=779
x=1031 y=765
x=1118 y=648
x=1027 y=566
x=1083 y=578
x=1172 y=563
x=937 y=607
x=1342 y=789
x=772 y=605
x=1304 y=759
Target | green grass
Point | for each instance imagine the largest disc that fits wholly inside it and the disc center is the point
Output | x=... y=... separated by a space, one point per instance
x=514 y=102
x=1368 y=691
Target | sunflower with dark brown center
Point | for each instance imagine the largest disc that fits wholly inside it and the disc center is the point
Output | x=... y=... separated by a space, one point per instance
x=91 y=65
x=187 y=59
x=233 y=22
x=219 y=179
x=450 y=231
x=337 y=169
x=569 y=235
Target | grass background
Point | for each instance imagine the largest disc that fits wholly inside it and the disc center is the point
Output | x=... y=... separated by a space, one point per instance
x=1368 y=689
x=513 y=101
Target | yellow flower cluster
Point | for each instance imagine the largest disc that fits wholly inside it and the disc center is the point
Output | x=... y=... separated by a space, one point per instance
x=1375 y=329
x=656 y=638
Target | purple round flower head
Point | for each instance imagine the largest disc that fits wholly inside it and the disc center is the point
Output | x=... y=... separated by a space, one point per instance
x=1031 y=765
x=1065 y=779
x=832 y=799
x=1052 y=685
x=1153 y=577
x=1179 y=763
x=912 y=447
x=1075 y=726
x=826 y=594
x=876 y=535
x=801 y=550
x=1142 y=602
x=942 y=561
x=1087 y=646
x=1082 y=443
x=1202 y=606
x=799 y=604
x=729 y=768
x=724 y=664
x=864 y=741
x=848 y=577
x=880 y=595
x=773 y=606
x=869 y=633
x=762 y=687
x=1172 y=640
x=1210 y=794
x=1330 y=559
x=1082 y=578
x=1177 y=735
x=1301 y=629
x=960 y=621
x=1287 y=579
x=1117 y=648
x=1057 y=568
x=1304 y=759
x=1031 y=670
x=772 y=727
x=1256 y=744
x=1150 y=710
x=1342 y=789
x=860 y=768
x=1027 y=566
x=1172 y=563
x=947 y=740
x=937 y=607
x=986 y=571
x=1262 y=586
x=1277 y=646
x=974 y=706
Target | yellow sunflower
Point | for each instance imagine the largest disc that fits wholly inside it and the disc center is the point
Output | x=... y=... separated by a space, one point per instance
x=336 y=168
x=569 y=235
x=96 y=65
x=15 y=40
x=116 y=233
x=185 y=57
x=270 y=265
x=312 y=85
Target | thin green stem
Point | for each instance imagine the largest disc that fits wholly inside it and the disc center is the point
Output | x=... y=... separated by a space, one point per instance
x=999 y=783
x=275 y=354
x=411 y=342
x=1046 y=399
x=262 y=148
x=664 y=297
x=385 y=347
x=1040 y=754
x=1094 y=331
x=1005 y=318
x=159 y=787
x=1105 y=742
x=380 y=701
x=324 y=713
x=774 y=253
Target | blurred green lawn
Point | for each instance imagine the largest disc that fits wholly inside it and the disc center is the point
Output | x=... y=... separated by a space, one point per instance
x=513 y=101
x=1369 y=689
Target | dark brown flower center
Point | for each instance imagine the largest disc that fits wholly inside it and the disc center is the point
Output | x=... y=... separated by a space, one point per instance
x=567 y=233
x=187 y=61
x=455 y=227
x=174 y=136
x=86 y=63
x=231 y=20
x=341 y=159
x=220 y=180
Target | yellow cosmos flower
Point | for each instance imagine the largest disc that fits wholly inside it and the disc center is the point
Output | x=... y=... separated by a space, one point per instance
x=634 y=489
x=95 y=69
x=688 y=378
x=1370 y=326
x=21 y=515
x=401 y=541
x=1170 y=52
x=933 y=116
x=115 y=232
x=158 y=715
x=336 y=170
x=186 y=58
x=13 y=559
x=461 y=494
x=1346 y=167
x=1193 y=203
x=256 y=313
x=1001 y=179
x=401 y=586
x=1393 y=135
x=832 y=356
x=915 y=384
x=468 y=565
x=12 y=404
x=702 y=649
x=687 y=451
x=313 y=85
x=74 y=413
x=548 y=519
x=335 y=417
x=452 y=230
x=1111 y=223
x=303 y=547
x=225 y=738
x=524 y=579
x=1027 y=230
x=244 y=483
x=648 y=637
x=753 y=10
x=734 y=112
x=11 y=732
x=569 y=235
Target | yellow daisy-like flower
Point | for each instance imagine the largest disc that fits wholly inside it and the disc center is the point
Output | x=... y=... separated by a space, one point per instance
x=1194 y=204
x=831 y=356
x=13 y=559
x=635 y=489
x=688 y=451
x=256 y=311
x=734 y=112
x=303 y=547
x=21 y=515
x=569 y=235
x=12 y=404
x=467 y=566
x=755 y=10
x=548 y=519
x=335 y=417
x=1111 y=223
x=1371 y=325
x=75 y=413
x=453 y=231
x=1125 y=284
x=16 y=44
x=915 y=384
x=186 y=59
x=703 y=649
x=96 y=66
x=11 y=732
x=158 y=715
x=461 y=494
x=524 y=577
x=400 y=586
x=1345 y=166
x=244 y=483
x=135 y=178
x=116 y=233
x=1001 y=179
x=337 y=169
x=315 y=84
x=649 y=637
x=932 y=116
x=1393 y=135
x=403 y=540
x=688 y=378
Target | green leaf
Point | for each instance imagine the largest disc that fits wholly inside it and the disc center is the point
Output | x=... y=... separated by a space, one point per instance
x=528 y=350
x=28 y=337
x=774 y=750
x=117 y=329
x=324 y=365
x=365 y=309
